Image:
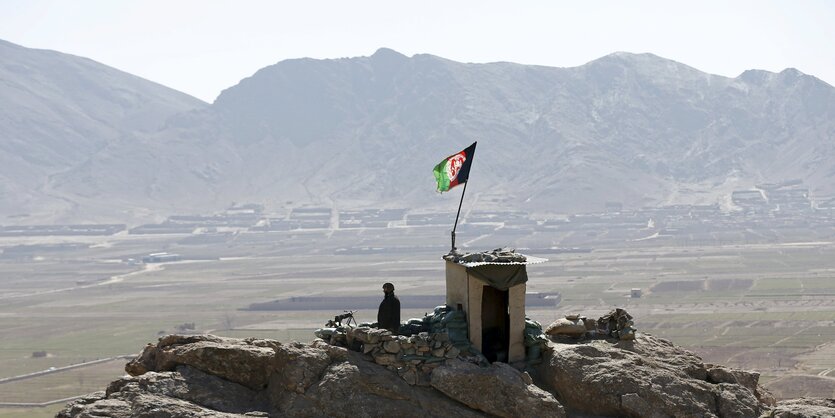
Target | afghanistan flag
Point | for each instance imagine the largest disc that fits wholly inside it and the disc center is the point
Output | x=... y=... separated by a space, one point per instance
x=455 y=169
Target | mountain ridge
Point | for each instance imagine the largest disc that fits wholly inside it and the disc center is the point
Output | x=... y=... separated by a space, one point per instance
x=364 y=132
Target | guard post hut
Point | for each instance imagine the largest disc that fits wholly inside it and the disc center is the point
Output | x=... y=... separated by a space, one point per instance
x=490 y=288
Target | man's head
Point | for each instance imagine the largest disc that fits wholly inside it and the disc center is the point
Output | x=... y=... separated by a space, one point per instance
x=388 y=288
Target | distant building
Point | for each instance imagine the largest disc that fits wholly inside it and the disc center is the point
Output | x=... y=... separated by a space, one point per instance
x=161 y=258
x=750 y=200
x=636 y=293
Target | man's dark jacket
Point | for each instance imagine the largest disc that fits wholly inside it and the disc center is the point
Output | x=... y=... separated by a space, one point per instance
x=388 y=317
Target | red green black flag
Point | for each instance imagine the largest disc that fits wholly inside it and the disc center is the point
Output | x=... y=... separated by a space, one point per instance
x=455 y=169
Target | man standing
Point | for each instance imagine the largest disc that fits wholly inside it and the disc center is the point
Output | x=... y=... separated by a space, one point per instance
x=388 y=316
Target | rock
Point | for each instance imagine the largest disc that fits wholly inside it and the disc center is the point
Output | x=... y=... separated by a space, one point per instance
x=78 y=406
x=565 y=326
x=666 y=354
x=385 y=359
x=144 y=362
x=236 y=360
x=298 y=366
x=197 y=387
x=115 y=408
x=635 y=406
x=719 y=374
x=410 y=376
x=209 y=376
x=376 y=335
x=452 y=352
x=803 y=408
x=358 y=334
x=744 y=378
x=392 y=346
x=153 y=395
x=636 y=378
x=438 y=352
x=303 y=380
x=359 y=388
x=497 y=390
x=736 y=402
x=336 y=353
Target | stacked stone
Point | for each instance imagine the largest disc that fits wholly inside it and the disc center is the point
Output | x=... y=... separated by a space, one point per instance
x=412 y=357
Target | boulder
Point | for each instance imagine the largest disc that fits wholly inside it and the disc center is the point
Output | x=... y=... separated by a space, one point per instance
x=744 y=378
x=644 y=377
x=803 y=408
x=359 y=388
x=297 y=366
x=194 y=386
x=497 y=390
x=240 y=361
x=134 y=399
x=392 y=346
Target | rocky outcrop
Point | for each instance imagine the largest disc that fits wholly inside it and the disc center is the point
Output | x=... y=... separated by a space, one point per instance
x=513 y=392
x=804 y=408
x=240 y=361
x=648 y=377
x=209 y=376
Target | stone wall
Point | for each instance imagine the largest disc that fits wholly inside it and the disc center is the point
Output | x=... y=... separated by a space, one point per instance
x=412 y=357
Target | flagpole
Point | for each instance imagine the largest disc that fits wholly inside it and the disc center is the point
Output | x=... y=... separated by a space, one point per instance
x=457 y=215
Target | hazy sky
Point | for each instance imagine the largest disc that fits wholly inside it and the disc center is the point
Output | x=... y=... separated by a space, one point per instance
x=202 y=47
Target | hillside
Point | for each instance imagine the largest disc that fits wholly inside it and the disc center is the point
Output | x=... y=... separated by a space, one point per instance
x=365 y=132
x=57 y=111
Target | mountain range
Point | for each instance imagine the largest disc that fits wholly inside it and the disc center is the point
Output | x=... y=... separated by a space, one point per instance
x=83 y=142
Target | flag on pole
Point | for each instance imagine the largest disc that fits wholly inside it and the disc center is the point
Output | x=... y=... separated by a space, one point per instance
x=455 y=169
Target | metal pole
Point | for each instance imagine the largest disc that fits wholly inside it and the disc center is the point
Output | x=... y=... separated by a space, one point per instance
x=458 y=214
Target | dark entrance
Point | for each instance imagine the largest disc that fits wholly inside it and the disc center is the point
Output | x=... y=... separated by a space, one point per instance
x=495 y=324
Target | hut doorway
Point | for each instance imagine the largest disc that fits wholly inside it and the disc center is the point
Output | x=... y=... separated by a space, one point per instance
x=495 y=321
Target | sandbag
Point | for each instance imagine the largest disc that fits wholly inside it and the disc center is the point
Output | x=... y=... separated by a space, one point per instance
x=565 y=326
x=534 y=353
x=457 y=334
x=324 y=333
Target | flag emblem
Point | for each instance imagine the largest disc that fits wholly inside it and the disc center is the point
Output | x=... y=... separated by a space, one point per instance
x=455 y=164
x=455 y=169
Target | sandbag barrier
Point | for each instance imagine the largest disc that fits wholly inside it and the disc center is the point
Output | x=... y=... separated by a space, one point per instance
x=617 y=324
x=535 y=341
